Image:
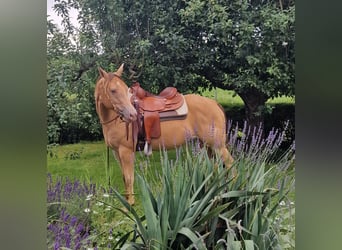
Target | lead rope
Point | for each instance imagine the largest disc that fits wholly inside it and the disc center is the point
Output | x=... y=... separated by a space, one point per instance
x=133 y=136
x=135 y=124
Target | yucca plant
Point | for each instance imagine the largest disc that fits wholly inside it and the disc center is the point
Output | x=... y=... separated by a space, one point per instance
x=177 y=216
x=193 y=204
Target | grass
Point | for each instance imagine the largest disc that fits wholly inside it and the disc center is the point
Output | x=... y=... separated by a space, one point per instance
x=228 y=98
x=86 y=161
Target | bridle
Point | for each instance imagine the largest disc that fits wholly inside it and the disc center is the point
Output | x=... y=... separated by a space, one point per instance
x=119 y=114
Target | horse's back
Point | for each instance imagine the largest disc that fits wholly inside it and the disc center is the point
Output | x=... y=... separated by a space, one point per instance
x=204 y=117
x=205 y=108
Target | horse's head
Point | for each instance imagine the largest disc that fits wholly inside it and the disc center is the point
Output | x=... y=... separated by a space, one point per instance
x=113 y=92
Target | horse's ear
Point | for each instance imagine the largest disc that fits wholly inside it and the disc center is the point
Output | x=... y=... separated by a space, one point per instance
x=102 y=72
x=120 y=70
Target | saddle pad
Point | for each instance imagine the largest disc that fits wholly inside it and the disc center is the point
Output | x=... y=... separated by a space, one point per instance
x=177 y=114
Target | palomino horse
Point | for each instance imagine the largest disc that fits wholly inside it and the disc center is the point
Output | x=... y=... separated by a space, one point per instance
x=205 y=120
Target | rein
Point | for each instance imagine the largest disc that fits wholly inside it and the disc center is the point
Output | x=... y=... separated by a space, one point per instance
x=113 y=119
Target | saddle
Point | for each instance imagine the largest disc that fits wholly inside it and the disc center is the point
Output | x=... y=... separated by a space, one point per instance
x=153 y=109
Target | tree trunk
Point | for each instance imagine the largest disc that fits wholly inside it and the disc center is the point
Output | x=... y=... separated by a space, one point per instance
x=254 y=101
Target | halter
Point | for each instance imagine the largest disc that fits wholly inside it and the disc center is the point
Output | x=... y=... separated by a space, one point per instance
x=112 y=75
x=106 y=91
x=119 y=115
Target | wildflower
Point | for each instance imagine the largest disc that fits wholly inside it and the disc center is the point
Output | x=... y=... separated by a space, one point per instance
x=108 y=208
x=105 y=195
x=282 y=203
x=87 y=210
x=284 y=44
x=89 y=197
x=57 y=245
x=99 y=203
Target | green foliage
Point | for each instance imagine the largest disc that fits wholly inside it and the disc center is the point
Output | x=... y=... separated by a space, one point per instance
x=51 y=150
x=240 y=45
x=73 y=155
x=70 y=104
x=186 y=199
x=196 y=205
x=176 y=212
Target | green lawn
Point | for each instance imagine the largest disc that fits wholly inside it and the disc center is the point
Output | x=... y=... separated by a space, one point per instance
x=86 y=161
x=228 y=98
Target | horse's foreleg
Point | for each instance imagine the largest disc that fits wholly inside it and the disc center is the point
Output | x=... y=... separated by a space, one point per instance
x=126 y=156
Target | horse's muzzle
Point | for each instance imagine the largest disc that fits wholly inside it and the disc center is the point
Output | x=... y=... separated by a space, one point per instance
x=128 y=115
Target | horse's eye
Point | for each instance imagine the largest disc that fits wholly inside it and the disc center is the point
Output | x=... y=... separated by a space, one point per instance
x=113 y=91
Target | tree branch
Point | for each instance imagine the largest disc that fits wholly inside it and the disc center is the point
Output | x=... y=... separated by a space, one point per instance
x=83 y=68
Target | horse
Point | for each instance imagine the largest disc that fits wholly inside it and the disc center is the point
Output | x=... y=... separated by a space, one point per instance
x=205 y=120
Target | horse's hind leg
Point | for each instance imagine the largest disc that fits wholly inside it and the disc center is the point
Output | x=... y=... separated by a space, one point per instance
x=126 y=157
x=227 y=159
x=218 y=145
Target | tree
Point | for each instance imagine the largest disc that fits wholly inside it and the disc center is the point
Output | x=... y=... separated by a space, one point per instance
x=71 y=112
x=246 y=46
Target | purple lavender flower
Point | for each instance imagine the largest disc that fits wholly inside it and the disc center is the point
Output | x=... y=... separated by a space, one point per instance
x=65 y=229
x=68 y=232
x=73 y=221
x=250 y=143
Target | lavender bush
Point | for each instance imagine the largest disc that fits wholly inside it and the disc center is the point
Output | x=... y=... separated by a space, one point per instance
x=67 y=225
x=80 y=215
x=68 y=231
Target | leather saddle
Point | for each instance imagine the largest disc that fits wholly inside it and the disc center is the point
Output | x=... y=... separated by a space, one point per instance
x=152 y=109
